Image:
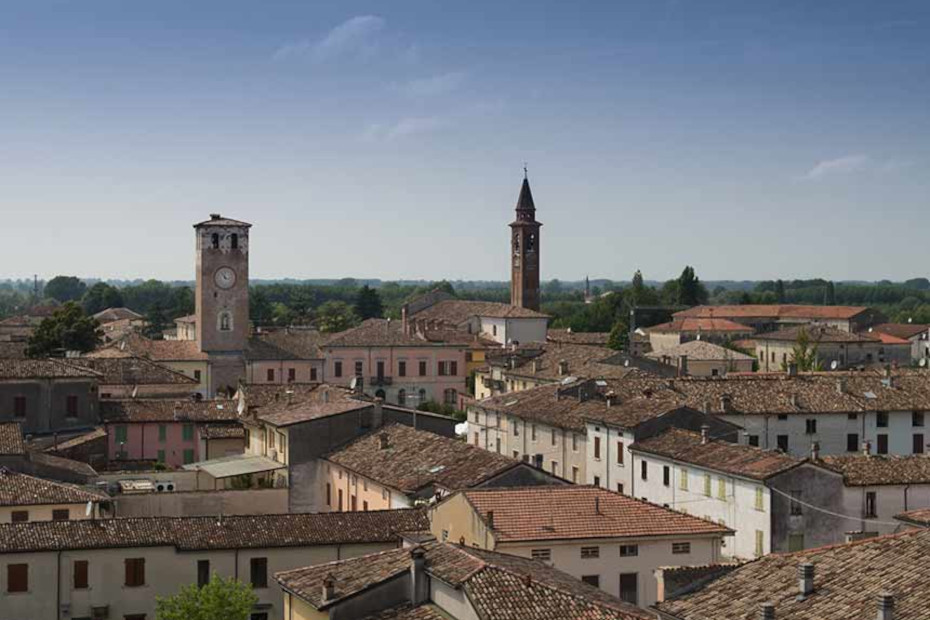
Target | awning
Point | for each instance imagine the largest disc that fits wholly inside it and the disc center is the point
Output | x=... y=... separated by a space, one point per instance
x=236 y=465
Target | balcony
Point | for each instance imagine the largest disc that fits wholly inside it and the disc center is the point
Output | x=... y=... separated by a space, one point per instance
x=380 y=380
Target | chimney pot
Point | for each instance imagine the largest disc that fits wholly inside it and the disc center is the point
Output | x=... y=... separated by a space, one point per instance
x=866 y=448
x=885 y=606
x=805 y=580
x=385 y=443
x=329 y=588
x=705 y=429
x=419 y=585
x=767 y=611
x=815 y=450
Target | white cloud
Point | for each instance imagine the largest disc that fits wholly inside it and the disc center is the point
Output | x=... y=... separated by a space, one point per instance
x=435 y=85
x=355 y=36
x=409 y=126
x=841 y=165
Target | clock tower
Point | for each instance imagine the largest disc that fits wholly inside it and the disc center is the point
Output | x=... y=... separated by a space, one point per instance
x=524 y=252
x=222 y=298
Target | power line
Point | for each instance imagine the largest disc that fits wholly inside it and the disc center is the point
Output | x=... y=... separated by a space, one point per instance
x=835 y=514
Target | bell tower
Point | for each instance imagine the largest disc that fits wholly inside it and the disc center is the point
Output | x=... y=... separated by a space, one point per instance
x=222 y=298
x=524 y=251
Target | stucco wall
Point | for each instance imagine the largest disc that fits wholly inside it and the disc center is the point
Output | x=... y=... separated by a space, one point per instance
x=202 y=503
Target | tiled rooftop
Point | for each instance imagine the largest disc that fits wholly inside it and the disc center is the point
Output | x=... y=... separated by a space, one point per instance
x=457 y=311
x=13 y=350
x=321 y=402
x=567 y=336
x=877 y=469
x=167 y=410
x=222 y=431
x=414 y=459
x=73 y=442
x=540 y=361
x=258 y=395
x=776 y=311
x=43 y=369
x=697 y=324
x=117 y=314
x=818 y=334
x=132 y=371
x=847 y=582
x=901 y=330
x=723 y=456
x=134 y=344
x=300 y=343
x=921 y=517
x=203 y=533
x=21 y=490
x=581 y=512
x=700 y=351
x=11 y=439
x=379 y=333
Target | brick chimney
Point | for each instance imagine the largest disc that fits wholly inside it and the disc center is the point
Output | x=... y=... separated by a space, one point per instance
x=377 y=413
x=329 y=588
x=384 y=442
x=805 y=580
x=403 y=319
x=885 y=606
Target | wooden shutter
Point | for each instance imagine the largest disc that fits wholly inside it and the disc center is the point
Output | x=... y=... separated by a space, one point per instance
x=80 y=574
x=17 y=578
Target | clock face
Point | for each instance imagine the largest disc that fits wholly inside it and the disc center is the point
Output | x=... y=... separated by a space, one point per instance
x=225 y=277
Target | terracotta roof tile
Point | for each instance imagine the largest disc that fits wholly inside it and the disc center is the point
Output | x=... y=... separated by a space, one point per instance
x=132 y=371
x=21 y=490
x=219 y=220
x=134 y=344
x=300 y=343
x=921 y=516
x=703 y=325
x=97 y=433
x=44 y=369
x=406 y=612
x=414 y=459
x=13 y=350
x=540 y=361
x=731 y=458
x=901 y=330
x=567 y=336
x=222 y=431
x=258 y=395
x=11 y=439
x=167 y=410
x=700 y=351
x=456 y=311
x=378 y=333
x=320 y=403
x=580 y=512
x=817 y=334
x=117 y=314
x=776 y=311
x=847 y=581
x=875 y=470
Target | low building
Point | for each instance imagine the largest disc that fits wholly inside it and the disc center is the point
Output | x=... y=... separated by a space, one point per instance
x=436 y=581
x=915 y=333
x=606 y=539
x=117 y=568
x=117 y=322
x=27 y=498
x=397 y=466
x=172 y=432
x=771 y=317
x=885 y=577
x=137 y=377
x=686 y=329
x=569 y=336
x=48 y=395
x=698 y=358
x=88 y=447
x=183 y=356
x=289 y=355
x=19 y=328
x=834 y=349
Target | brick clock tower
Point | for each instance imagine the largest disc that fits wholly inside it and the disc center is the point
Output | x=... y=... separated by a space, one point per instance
x=222 y=298
x=524 y=252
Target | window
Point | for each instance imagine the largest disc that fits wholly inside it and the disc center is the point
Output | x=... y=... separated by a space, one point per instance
x=365 y=505
x=620 y=488
x=592 y=580
x=187 y=432
x=234 y=241
x=197 y=375
x=629 y=588
x=329 y=494
x=71 y=406
x=644 y=470
x=121 y=434
x=666 y=475
x=313 y=374
x=597 y=447
x=795 y=508
x=453 y=368
x=402 y=368
x=782 y=416
x=721 y=489
x=597 y=481
x=533 y=433
x=543 y=555
x=555 y=467
x=917 y=418
x=494 y=330
x=203 y=573
x=782 y=442
x=870 y=512
x=135 y=572
x=215 y=241
x=575 y=475
x=810 y=426
x=19 y=406
x=379 y=369
x=450 y=396
x=881 y=420
x=681 y=548
x=337 y=369
x=188 y=457
x=258 y=572
x=19 y=516
x=754 y=441
x=554 y=439
x=796 y=542
x=160 y=456
x=882 y=444
x=683 y=479
x=852 y=442
x=497 y=446
x=353 y=503
x=292 y=375
x=760 y=498
x=422 y=368
x=225 y=322
x=588 y=553
x=258 y=616
x=270 y=375
x=852 y=416
x=708 y=485
x=629 y=551
x=515 y=426
x=358 y=369
x=476 y=438
x=760 y=540
x=574 y=442
x=61 y=514
x=80 y=578
x=17 y=578
x=619 y=453
x=339 y=508
x=401 y=397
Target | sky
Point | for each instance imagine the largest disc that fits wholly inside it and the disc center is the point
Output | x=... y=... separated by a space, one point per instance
x=752 y=140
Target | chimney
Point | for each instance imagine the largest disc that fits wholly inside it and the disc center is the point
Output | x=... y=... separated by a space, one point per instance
x=792 y=369
x=419 y=583
x=725 y=401
x=795 y=401
x=403 y=319
x=767 y=611
x=329 y=587
x=490 y=519
x=563 y=367
x=597 y=505
x=841 y=385
x=866 y=448
x=377 y=413
x=815 y=450
x=885 y=606
x=704 y=432
x=611 y=397
x=215 y=216
x=682 y=365
x=385 y=443
x=535 y=366
x=805 y=580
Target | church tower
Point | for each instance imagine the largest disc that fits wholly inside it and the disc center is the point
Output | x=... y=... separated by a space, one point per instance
x=222 y=298
x=524 y=252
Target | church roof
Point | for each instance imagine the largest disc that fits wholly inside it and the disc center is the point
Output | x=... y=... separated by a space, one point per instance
x=525 y=201
x=218 y=220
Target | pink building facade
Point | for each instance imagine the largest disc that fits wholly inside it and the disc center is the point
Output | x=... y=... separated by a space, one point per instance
x=172 y=443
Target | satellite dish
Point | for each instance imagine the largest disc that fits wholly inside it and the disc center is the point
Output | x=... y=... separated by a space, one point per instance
x=834 y=365
x=923 y=362
x=354 y=383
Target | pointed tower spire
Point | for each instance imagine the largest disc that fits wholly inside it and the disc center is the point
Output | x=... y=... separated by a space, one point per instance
x=525 y=204
x=524 y=278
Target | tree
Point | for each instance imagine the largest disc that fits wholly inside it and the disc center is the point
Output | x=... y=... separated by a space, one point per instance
x=335 y=316
x=637 y=288
x=156 y=321
x=619 y=337
x=829 y=294
x=690 y=290
x=68 y=329
x=368 y=304
x=260 y=309
x=780 y=291
x=804 y=354
x=100 y=297
x=65 y=288
x=219 y=599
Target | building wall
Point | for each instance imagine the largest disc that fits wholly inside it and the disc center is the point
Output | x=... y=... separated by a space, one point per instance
x=193 y=369
x=772 y=354
x=142 y=442
x=890 y=500
x=202 y=503
x=217 y=448
x=166 y=571
x=365 y=492
x=77 y=512
x=814 y=486
x=525 y=330
x=46 y=403
x=295 y=608
x=257 y=371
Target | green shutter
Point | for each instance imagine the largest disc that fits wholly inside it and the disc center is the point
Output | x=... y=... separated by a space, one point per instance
x=188 y=432
x=120 y=434
x=188 y=457
x=162 y=432
x=161 y=456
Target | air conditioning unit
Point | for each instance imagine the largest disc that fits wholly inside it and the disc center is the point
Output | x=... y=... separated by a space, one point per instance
x=164 y=486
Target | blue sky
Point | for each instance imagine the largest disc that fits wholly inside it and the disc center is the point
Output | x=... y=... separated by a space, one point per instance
x=386 y=139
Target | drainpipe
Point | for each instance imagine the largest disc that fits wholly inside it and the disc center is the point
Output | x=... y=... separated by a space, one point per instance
x=58 y=586
x=607 y=454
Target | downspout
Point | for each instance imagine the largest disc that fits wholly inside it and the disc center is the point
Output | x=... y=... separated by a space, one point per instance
x=236 y=563
x=607 y=454
x=58 y=585
x=906 y=489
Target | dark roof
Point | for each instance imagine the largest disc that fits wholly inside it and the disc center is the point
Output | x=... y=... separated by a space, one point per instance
x=261 y=394
x=50 y=462
x=723 y=456
x=567 y=336
x=117 y=314
x=218 y=220
x=203 y=533
x=580 y=512
x=775 y=311
x=864 y=471
x=378 y=333
x=540 y=361
x=43 y=369
x=11 y=439
x=258 y=348
x=133 y=344
x=847 y=582
x=167 y=410
x=416 y=458
x=322 y=402
x=525 y=199
x=901 y=330
x=21 y=490
x=406 y=612
x=132 y=371
x=500 y=586
x=818 y=334
x=97 y=433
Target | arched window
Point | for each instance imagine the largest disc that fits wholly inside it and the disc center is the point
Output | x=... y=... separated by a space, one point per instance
x=516 y=243
x=450 y=396
x=225 y=322
x=422 y=396
x=401 y=397
x=215 y=241
x=531 y=242
x=234 y=241
x=379 y=394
